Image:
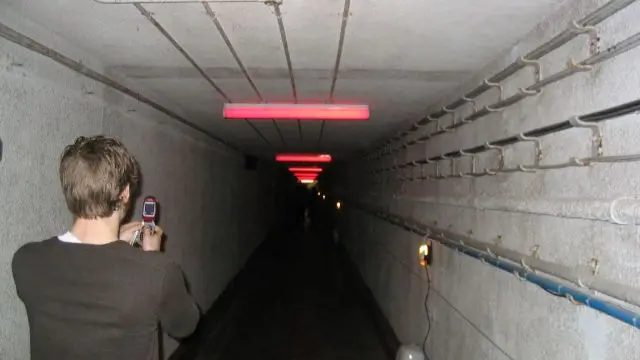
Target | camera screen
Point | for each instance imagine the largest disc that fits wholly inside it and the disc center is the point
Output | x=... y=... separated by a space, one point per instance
x=149 y=208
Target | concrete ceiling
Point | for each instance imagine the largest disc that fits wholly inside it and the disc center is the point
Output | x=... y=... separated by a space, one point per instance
x=398 y=56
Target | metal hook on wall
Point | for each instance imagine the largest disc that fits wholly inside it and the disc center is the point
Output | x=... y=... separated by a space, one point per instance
x=537 y=157
x=453 y=119
x=474 y=101
x=537 y=67
x=527 y=92
x=473 y=163
x=497 y=86
x=453 y=166
x=492 y=109
x=592 y=33
x=490 y=172
x=500 y=150
x=574 y=67
x=597 y=138
x=444 y=158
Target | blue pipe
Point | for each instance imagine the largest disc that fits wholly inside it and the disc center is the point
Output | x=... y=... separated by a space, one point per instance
x=551 y=286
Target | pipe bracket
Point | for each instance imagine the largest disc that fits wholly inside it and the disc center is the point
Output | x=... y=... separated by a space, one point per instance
x=592 y=33
x=497 y=86
x=597 y=138
x=537 y=67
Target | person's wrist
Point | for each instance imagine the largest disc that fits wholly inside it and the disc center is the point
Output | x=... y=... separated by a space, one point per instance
x=151 y=248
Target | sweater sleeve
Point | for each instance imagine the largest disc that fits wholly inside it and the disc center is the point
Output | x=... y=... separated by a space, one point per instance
x=178 y=313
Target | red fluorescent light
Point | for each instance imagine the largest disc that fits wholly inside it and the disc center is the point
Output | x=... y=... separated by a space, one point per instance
x=322 y=158
x=305 y=169
x=305 y=176
x=296 y=111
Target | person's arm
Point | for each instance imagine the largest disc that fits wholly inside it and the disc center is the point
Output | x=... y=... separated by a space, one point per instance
x=178 y=313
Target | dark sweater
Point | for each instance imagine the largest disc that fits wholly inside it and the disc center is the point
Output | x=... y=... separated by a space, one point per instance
x=100 y=302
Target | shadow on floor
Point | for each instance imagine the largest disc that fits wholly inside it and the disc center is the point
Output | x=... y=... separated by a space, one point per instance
x=298 y=298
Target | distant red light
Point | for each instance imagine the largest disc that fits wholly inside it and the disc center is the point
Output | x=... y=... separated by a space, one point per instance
x=296 y=111
x=305 y=169
x=305 y=176
x=315 y=158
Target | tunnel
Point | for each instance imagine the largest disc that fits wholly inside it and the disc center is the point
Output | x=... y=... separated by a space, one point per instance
x=348 y=179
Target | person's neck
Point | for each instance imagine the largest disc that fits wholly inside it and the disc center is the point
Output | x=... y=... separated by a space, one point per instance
x=96 y=231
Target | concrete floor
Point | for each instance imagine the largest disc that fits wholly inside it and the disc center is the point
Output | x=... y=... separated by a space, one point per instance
x=302 y=305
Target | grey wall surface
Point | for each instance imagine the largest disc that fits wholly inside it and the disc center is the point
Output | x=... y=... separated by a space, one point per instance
x=476 y=310
x=212 y=209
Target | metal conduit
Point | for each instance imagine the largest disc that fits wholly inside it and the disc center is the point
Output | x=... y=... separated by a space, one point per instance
x=234 y=53
x=592 y=19
x=336 y=66
x=190 y=59
x=615 y=300
x=584 y=121
x=287 y=56
x=533 y=90
x=623 y=210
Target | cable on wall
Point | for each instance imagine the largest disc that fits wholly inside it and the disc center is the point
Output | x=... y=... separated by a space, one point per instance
x=427 y=314
x=411 y=269
x=615 y=300
x=588 y=121
x=572 y=31
x=571 y=69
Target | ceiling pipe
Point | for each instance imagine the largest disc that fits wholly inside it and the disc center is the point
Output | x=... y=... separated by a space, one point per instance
x=30 y=44
x=235 y=55
x=564 y=37
x=287 y=55
x=180 y=49
x=186 y=55
x=336 y=66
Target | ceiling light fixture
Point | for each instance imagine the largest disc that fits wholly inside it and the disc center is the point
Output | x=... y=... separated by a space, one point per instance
x=305 y=169
x=296 y=111
x=316 y=158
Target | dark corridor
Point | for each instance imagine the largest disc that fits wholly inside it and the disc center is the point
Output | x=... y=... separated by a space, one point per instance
x=298 y=298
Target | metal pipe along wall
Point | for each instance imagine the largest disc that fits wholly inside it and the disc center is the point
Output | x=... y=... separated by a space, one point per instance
x=598 y=294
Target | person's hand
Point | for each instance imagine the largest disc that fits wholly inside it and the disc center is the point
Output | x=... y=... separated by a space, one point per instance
x=152 y=241
x=127 y=230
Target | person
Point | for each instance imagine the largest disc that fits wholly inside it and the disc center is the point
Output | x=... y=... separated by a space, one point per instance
x=88 y=293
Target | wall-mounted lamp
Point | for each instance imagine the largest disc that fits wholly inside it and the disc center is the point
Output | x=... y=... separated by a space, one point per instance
x=425 y=253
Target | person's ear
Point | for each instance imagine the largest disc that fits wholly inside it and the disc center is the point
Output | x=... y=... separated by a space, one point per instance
x=125 y=195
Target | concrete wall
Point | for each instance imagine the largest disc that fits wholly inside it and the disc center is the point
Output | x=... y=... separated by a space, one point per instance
x=479 y=312
x=212 y=209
